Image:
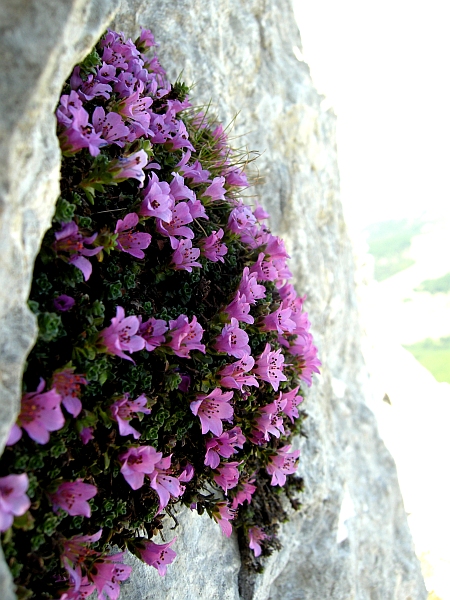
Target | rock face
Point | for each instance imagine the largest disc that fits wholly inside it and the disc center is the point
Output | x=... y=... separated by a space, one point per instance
x=351 y=539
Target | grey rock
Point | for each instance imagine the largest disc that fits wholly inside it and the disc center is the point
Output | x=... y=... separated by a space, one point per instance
x=351 y=539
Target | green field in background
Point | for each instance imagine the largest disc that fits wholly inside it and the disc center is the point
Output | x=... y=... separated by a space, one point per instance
x=441 y=285
x=434 y=355
x=389 y=242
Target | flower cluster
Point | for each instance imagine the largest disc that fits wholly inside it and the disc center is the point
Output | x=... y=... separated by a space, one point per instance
x=172 y=345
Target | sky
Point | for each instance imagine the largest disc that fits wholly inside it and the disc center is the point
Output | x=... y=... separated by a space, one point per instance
x=383 y=68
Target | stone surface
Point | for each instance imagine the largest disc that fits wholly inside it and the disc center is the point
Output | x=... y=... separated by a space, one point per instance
x=351 y=539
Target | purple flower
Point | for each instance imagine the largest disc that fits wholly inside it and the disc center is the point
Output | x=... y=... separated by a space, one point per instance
x=180 y=217
x=270 y=367
x=245 y=491
x=68 y=386
x=41 y=413
x=129 y=167
x=185 y=256
x=121 y=335
x=212 y=247
x=227 y=475
x=269 y=421
x=241 y=219
x=306 y=357
x=153 y=332
x=156 y=555
x=281 y=464
x=164 y=484
x=127 y=241
x=136 y=109
x=63 y=302
x=256 y=535
x=240 y=309
x=86 y=435
x=212 y=410
x=110 y=126
x=79 y=132
x=292 y=401
x=13 y=500
x=145 y=40
x=179 y=190
x=124 y=410
x=280 y=321
x=250 y=287
x=106 y=575
x=157 y=201
x=233 y=341
x=264 y=269
x=71 y=242
x=234 y=375
x=224 y=445
x=194 y=172
x=72 y=496
x=216 y=191
x=260 y=213
x=138 y=462
x=185 y=336
x=237 y=178
x=223 y=514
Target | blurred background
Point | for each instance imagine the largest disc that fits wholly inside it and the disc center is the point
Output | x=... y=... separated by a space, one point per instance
x=383 y=69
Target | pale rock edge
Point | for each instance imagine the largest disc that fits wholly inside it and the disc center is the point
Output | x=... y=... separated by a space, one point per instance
x=351 y=540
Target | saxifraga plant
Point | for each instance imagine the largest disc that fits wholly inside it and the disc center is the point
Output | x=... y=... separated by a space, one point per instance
x=171 y=343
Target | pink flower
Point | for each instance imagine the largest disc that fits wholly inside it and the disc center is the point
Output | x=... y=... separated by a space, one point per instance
x=212 y=248
x=187 y=473
x=72 y=496
x=153 y=332
x=68 y=385
x=233 y=341
x=179 y=190
x=236 y=177
x=227 y=475
x=185 y=256
x=129 y=167
x=292 y=401
x=223 y=514
x=70 y=242
x=212 y=409
x=264 y=269
x=234 y=375
x=256 y=535
x=156 y=555
x=306 y=354
x=216 y=191
x=270 y=367
x=240 y=309
x=85 y=589
x=245 y=492
x=121 y=335
x=279 y=321
x=269 y=421
x=158 y=201
x=224 y=445
x=185 y=336
x=281 y=464
x=63 y=302
x=138 y=462
x=13 y=500
x=241 y=219
x=75 y=552
x=127 y=241
x=106 y=574
x=181 y=215
x=164 y=484
x=124 y=410
x=41 y=413
x=86 y=435
x=109 y=125
x=250 y=288
x=260 y=213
